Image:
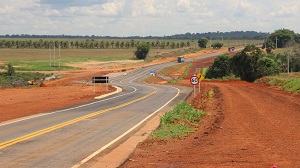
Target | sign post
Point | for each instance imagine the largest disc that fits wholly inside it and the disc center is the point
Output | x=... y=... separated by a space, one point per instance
x=200 y=77
x=194 y=81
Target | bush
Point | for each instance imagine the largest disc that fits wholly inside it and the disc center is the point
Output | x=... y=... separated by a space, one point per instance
x=251 y=64
x=202 y=42
x=217 y=45
x=267 y=66
x=142 y=50
x=10 y=70
x=220 y=67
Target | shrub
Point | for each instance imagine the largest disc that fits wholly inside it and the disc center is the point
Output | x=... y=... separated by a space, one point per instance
x=251 y=64
x=142 y=50
x=219 y=68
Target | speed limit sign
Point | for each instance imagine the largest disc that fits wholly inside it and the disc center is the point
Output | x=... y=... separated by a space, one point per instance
x=194 y=80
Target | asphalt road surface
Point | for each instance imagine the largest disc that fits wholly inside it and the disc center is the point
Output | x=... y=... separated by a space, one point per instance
x=64 y=138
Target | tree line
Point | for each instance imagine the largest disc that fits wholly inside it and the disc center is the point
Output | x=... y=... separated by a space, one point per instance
x=88 y=44
x=234 y=35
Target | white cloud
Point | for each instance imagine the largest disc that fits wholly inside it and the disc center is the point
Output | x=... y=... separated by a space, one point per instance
x=145 y=17
x=184 y=5
x=287 y=10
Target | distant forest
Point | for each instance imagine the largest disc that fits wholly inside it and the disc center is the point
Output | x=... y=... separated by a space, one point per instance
x=238 y=35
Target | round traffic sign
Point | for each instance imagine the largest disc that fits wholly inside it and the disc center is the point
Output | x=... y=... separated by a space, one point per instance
x=194 y=80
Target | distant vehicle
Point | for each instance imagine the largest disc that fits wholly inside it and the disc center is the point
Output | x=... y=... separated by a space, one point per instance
x=152 y=73
x=231 y=49
x=181 y=59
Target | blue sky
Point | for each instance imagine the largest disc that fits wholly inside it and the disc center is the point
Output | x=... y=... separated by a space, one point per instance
x=146 y=17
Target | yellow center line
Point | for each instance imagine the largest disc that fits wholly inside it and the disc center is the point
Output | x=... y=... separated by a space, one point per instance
x=55 y=127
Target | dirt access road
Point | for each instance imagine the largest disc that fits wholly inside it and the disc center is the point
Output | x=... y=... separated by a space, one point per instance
x=251 y=125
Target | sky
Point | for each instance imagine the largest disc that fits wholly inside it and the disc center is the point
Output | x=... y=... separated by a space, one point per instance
x=146 y=17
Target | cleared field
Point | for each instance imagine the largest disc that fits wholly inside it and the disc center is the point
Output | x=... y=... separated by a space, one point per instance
x=44 y=54
x=9 y=55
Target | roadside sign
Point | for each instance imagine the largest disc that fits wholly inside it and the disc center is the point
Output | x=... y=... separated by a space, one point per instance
x=100 y=79
x=194 y=80
x=200 y=76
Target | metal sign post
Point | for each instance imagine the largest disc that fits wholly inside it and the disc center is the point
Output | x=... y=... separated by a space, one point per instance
x=200 y=77
x=194 y=81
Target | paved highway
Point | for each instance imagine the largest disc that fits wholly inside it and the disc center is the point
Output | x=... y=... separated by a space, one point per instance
x=64 y=138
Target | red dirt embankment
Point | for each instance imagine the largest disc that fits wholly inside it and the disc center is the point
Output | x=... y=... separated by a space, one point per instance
x=72 y=90
x=251 y=125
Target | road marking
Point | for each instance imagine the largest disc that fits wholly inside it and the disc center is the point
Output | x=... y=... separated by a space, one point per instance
x=77 y=107
x=55 y=127
x=124 y=134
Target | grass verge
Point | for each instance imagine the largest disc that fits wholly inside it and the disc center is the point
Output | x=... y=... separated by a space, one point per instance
x=179 y=122
x=290 y=84
x=19 y=79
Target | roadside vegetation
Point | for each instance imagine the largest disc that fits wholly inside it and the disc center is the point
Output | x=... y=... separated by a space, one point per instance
x=290 y=84
x=182 y=120
x=187 y=66
x=10 y=78
x=252 y=63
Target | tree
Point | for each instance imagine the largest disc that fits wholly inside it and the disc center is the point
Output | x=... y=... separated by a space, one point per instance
x=10 y=70
x=219 y=68
x=142 y=50
x=269 y=45
x=251 y=64
x=217 y=45
x=283 y=37
x=188 y=44
x=267 y=66
x=112 y=43
x=202 y=42
x=117 y=44
x=173 y=45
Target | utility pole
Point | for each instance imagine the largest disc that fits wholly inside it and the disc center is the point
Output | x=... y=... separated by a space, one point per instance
x=58 y=55
x=54 y=56
x=49 y=55
x=287 y=54
x=276 y=42
x=288 y=64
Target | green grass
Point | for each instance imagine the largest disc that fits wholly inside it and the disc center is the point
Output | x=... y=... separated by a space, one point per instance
x=19 y=79
x=168 y=70
x=10 y=55
x=175 y=80
x=179 y=122
x=40 y=66
x=204 y=70
x=183 y=75
x=291 y=84
x=39 y=59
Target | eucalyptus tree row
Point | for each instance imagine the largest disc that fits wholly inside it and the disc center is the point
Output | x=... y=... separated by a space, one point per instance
x=87 y=44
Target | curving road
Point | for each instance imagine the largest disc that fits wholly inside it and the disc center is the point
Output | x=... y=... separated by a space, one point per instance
x=64 y=138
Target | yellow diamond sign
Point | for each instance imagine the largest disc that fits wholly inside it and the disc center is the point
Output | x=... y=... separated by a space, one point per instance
x=200 y=76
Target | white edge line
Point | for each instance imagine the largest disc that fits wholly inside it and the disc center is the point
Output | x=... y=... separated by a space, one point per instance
x=59 y=111
x=44 y=114
x=109 y=94
x=124 y=134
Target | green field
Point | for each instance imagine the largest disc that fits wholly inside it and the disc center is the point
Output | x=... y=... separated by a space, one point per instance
x=39 y=59
x=43 y=54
